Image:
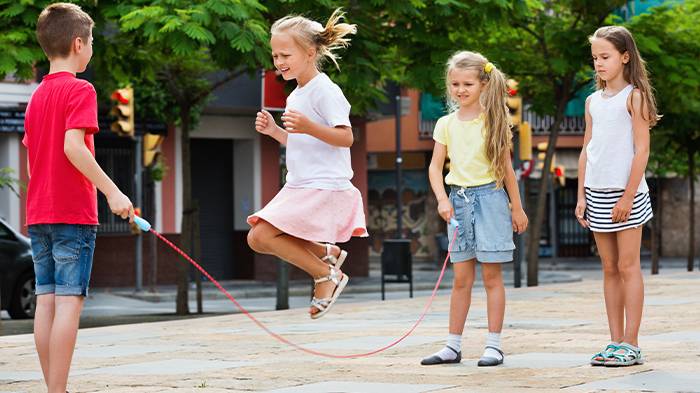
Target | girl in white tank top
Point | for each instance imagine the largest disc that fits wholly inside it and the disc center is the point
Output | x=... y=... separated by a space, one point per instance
x=613 y=196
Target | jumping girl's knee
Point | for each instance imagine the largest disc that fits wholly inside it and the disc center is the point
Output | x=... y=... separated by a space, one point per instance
x=255 y=239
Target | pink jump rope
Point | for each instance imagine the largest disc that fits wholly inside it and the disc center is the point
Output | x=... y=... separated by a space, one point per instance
x=146 y=227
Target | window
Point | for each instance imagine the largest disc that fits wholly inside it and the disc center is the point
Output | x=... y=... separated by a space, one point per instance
x=117 y=160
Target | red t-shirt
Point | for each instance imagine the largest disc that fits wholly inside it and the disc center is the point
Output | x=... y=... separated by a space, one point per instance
x=58 y=193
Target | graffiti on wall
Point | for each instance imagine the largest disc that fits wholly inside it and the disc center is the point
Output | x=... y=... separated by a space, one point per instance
x=382 y=210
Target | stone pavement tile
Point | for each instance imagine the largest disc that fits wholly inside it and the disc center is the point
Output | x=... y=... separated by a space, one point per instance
x=371 y=342
x=111 y=351
x=345 y=324
x=358 y=387
x=682 y=336
x=548 y=323
x=546 y=360
x=20 y=375
x=97 y=336
x=651 y=381
x=667 y=301
x=550 y=333
x=165 y=367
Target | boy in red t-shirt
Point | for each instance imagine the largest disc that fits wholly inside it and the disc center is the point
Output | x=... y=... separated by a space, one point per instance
x=60 y=121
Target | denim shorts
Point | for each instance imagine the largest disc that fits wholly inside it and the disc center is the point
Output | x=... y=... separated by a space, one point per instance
x=485 y=225
x=62 y=258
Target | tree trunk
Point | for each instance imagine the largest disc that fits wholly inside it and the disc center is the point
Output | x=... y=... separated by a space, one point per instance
x=197 y=254
x=656 y=228
x=533 y=248
x=691 y=177
x=182 y=301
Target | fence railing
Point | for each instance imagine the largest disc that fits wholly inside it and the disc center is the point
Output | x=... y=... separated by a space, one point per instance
x=571 y=125
x=118 y=164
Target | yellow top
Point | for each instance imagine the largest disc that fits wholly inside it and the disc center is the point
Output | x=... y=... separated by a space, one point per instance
x=465 y=141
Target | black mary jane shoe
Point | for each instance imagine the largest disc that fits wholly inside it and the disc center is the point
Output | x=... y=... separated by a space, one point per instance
x=489 y=361
x=435 y=359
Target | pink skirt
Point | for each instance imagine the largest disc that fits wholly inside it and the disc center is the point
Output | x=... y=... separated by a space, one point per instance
x=327 y=216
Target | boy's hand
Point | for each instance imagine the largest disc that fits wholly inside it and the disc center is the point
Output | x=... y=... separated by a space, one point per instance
x=265 y=123
x=121 y=205
x=519 y=221
x=296 y=123
x=445 y=209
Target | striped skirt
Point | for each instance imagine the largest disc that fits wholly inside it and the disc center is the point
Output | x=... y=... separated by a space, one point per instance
x=599 y=205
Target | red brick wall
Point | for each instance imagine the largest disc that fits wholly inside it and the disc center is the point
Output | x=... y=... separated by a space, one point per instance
x=114 y=264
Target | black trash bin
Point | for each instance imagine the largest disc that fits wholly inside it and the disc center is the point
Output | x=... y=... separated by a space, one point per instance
x=397 y=263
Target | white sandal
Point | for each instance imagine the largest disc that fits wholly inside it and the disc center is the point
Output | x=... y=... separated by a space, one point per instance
x=324 y=305
x=332 y=259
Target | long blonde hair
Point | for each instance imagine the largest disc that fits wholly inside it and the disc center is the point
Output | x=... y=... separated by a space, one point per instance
x=311 y=34
x=634 y=72
x=493 y=100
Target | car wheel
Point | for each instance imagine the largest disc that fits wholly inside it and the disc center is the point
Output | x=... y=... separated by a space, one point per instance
x=23 y=302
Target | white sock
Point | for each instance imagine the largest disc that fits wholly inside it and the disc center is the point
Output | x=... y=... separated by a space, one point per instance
x=492 y=340
x=454 y=341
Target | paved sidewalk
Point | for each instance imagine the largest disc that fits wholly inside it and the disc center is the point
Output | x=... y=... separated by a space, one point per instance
x=550 y=333
x=424 y=277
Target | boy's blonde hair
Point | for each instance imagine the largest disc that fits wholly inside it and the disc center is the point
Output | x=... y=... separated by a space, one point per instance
x=310 y=34
x=493 y=99
x=634 y=72
x=58 y=25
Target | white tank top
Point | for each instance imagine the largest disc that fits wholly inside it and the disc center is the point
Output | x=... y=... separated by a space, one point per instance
x=611 y=148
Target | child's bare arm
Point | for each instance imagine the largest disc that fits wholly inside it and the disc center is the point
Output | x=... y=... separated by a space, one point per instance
x=436 y=183
x=582 y=159
x=511 y=183
x=296 y=122
x=265 y=124
x=79 y=155
x=640 y=130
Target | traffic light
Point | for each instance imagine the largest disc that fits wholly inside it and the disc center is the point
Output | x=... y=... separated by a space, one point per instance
x=151 y=148
x=542 y=149
x=560 y=174
x=123 y=110
x=558 y=171
x=514 y=103
x=525 y=140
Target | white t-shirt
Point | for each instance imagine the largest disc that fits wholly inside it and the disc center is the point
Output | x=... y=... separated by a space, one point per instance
x=312 y=163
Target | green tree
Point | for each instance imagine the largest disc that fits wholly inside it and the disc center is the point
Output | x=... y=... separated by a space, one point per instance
x=7 y=180
x=668 y=40
x=189 y=50
x=405 y=42
x=544 y=45
x=17 y=39
x=175 y=54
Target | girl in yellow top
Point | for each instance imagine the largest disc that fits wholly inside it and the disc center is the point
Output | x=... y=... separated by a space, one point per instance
x=476 y=136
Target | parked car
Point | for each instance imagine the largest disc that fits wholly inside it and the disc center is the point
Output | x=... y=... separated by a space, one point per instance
x=16 y=273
